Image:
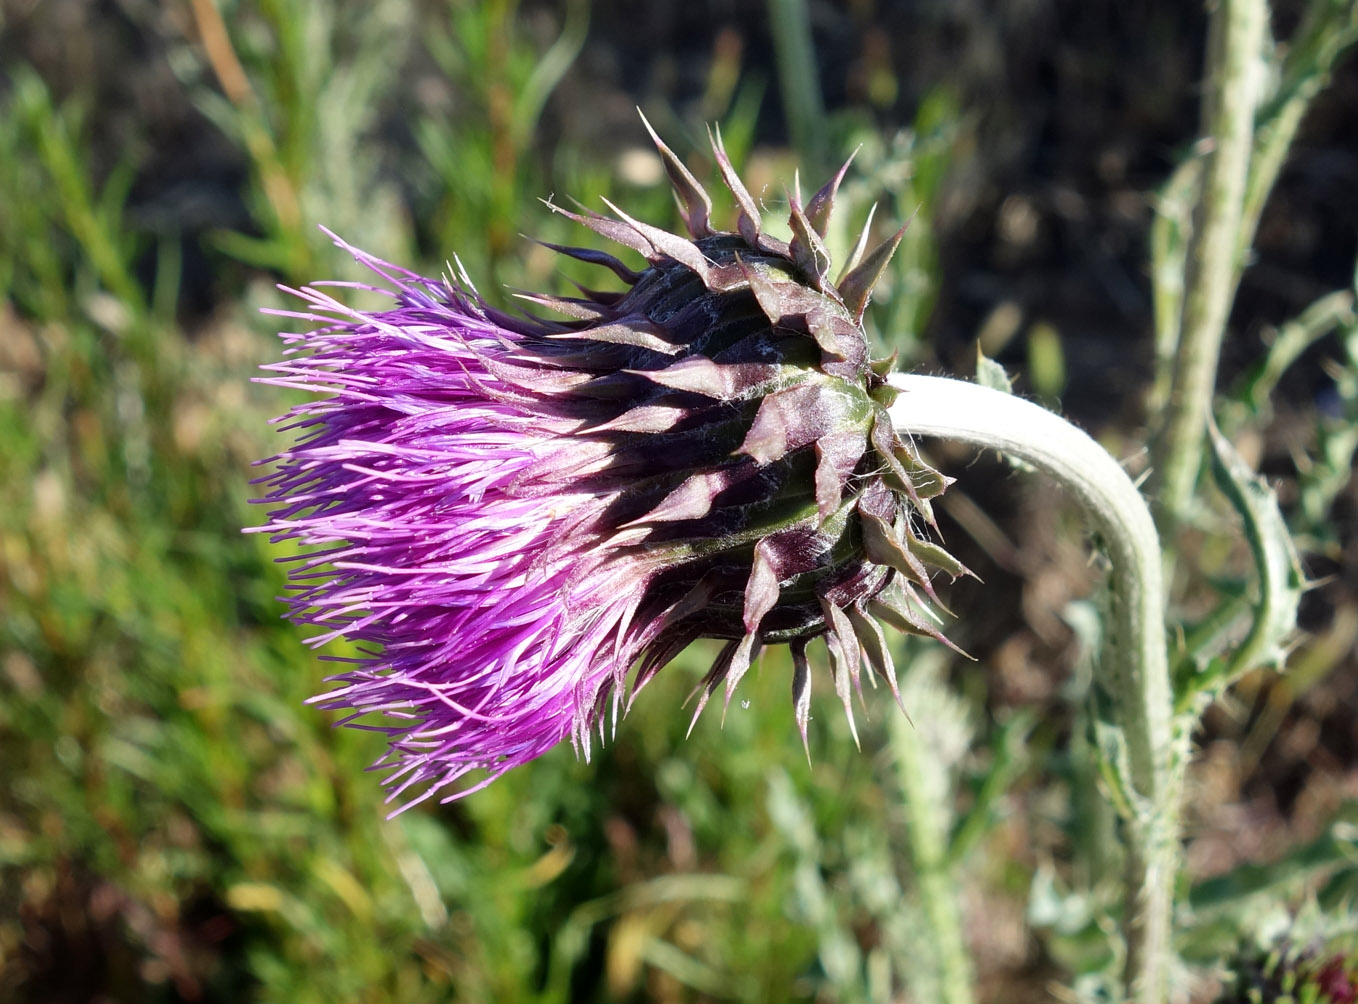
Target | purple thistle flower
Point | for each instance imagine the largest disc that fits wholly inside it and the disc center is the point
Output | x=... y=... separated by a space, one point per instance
x=511 y=516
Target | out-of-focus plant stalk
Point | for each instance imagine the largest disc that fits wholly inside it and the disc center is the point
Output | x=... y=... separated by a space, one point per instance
x=1328 y=28
x=927 y=796
x=1134 y=668
x=279 y=188
x=1171 y=232
x=798 y=77
x=1235 y=71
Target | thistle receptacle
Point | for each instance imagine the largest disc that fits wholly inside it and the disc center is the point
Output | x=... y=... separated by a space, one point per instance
x=520 y=521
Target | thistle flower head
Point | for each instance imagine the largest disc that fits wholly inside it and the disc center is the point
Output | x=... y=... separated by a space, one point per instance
x=520 y=521
x=1291 y=975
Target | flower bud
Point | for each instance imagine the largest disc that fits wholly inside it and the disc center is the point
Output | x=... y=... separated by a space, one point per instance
x=522 y=520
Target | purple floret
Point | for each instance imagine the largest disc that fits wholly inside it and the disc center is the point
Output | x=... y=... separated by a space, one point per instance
x=492 y=618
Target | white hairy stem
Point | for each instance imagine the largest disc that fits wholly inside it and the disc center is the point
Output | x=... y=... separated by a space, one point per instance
x=1134 y=668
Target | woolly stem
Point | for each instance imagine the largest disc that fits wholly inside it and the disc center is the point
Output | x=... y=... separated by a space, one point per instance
x=1134 y=669
x=1234 y=70
x=928 y=800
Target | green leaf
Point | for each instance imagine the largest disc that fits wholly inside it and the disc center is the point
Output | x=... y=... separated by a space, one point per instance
x=1250 y=899
x=991 y=374
x=1281 y=581
x=1231 y=893
x=1314 y=323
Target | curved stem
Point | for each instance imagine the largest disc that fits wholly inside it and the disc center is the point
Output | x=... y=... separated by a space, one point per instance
x=1135 y=668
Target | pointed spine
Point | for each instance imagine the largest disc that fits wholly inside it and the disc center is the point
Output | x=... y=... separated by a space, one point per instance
x=860 y=246
x=748 y=223
x=590 y=257
x=613 y=230
x=844 y=665
x=818 y=210
x=801 y=692
x=697 y=204
x=856 y=288
x=806 y=246
x=667 y=244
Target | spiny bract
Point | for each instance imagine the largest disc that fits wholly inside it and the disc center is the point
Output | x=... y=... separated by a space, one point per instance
x=510 y=516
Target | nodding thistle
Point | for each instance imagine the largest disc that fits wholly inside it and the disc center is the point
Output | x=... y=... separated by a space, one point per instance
x=520 y=521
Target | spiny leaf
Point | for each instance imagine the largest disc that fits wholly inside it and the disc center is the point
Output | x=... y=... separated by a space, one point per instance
x=1281 y=581
x=991 y=374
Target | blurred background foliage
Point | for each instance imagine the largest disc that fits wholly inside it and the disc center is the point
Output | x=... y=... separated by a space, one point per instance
x=175 y=823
